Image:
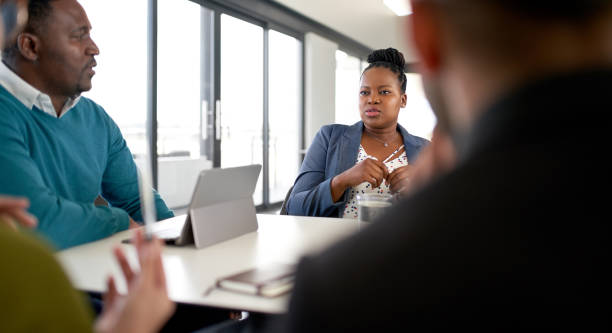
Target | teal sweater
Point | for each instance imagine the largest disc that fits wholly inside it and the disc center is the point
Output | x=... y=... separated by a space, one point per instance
x=63 y=164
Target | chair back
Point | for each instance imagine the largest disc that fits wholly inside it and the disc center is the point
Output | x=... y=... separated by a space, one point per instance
x=283 y=210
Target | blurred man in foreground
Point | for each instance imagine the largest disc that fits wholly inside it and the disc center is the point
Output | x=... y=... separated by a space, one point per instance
x=515 y=235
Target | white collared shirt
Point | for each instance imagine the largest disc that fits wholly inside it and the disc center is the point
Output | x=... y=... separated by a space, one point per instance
x=30 y=96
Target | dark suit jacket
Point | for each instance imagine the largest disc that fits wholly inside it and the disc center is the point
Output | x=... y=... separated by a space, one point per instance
x=517 y=236
x=333 y=151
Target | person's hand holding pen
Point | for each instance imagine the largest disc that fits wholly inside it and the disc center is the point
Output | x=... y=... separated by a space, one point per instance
x=146 y=307
x=399 y=178
x=369 y=170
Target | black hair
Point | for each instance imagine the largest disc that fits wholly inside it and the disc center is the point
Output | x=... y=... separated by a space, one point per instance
x=38 y=12
x=393 y=60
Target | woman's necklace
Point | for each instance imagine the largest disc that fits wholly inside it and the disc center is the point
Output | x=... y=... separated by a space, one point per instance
x=386 y=144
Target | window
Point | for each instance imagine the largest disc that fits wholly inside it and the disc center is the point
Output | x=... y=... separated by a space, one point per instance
x=120 y=83
x=285 y=109
x=178 y=78
x=182 y=104
x=348 y=74
x=229 y=91
x=242 y=95
x=417 y=117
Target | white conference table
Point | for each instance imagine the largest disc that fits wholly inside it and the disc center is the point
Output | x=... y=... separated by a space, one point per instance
x=190 y=272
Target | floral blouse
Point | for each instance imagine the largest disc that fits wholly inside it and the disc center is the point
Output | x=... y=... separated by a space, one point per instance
x=350 y=208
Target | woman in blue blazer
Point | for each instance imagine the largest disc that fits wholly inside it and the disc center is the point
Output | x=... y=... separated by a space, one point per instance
x=373 y=155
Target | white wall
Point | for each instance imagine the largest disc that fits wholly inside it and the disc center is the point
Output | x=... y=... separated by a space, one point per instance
x=369 y=22
x=319 y=83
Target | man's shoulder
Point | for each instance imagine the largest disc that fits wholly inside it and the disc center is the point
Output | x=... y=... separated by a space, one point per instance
x=26 y=247
x=32 y=273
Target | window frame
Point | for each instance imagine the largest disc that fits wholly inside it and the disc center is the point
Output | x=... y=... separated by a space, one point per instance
x=269 y=15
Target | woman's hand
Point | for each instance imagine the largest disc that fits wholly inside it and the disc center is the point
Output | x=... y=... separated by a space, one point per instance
x=399 y=179
x=437 y=158
x=368 y=170
x=146 y=308
x=13 y=212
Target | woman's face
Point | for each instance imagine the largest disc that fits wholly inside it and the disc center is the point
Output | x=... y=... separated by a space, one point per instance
x=380 y=98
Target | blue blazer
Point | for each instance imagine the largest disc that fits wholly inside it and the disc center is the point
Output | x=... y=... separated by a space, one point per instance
x=333 y=151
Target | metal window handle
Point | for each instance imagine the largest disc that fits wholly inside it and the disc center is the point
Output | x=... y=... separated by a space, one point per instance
x=218 y=120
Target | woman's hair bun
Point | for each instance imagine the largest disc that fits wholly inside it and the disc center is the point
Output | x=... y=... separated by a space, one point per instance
x=389 y=55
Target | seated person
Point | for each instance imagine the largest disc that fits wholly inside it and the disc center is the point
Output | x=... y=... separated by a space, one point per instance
x=61 y=150
x=373 y=155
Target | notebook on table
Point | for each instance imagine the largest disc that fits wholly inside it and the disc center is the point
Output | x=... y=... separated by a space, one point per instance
x=268 y=281
x=221 y=208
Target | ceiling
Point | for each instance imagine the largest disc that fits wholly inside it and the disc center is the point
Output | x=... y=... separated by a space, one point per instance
x=369 y=22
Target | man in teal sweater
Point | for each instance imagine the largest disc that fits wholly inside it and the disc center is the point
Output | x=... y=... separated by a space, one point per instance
x=58 y=149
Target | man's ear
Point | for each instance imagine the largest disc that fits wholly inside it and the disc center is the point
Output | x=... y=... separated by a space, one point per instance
x=28 y=45
x=404 y=100
x=426 y=35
